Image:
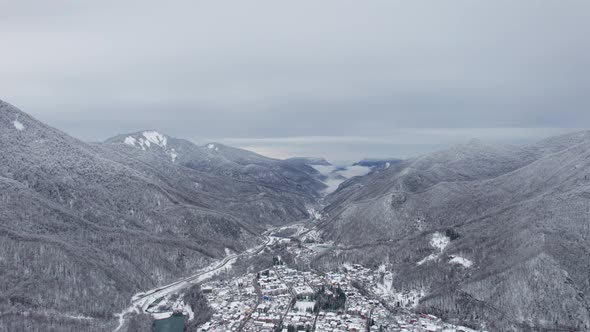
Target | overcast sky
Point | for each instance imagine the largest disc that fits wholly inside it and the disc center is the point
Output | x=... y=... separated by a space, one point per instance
x=334 y=78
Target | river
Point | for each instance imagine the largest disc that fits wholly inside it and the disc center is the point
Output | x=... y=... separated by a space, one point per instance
x=175 y=323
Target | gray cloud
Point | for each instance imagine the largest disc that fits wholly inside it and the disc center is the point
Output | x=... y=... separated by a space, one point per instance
x=236 y=70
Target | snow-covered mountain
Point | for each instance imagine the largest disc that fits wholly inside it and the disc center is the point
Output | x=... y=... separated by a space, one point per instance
x=497 y=234
x=478 y=233
x=262 y=190
x=85 y=226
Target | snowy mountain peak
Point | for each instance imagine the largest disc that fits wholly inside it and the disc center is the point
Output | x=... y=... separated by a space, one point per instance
x=146 y=139
x=130 y=140
x=155 y=138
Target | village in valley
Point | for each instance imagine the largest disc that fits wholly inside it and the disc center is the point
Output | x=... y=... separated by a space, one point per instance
x=286 y=299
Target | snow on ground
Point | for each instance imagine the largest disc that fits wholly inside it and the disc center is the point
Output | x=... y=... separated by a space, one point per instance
x=161 y=315
x=304 y=305
x=430 y=257
x=173 y=155
x=462 y=261
x=121 y=316
x=189 y=311
x=130 y=140
x=439 y=241
x=149 y=138
x=18 y=125
x=385 y=287
x=212 y=146
x=314 y=214
x=141 y=302
x=156 y=138
x=78 y=317
x=407 y=298
x=161 y=305
x=312 y=235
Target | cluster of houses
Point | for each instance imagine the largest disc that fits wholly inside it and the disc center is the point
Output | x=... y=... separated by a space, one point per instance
x=420 y=323
x=269 y=313
x=270 y=284
x=233 y=302
x=284 y=299
x=274 y=297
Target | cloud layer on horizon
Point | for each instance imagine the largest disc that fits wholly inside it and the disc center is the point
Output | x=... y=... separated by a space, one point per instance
x=265 y=74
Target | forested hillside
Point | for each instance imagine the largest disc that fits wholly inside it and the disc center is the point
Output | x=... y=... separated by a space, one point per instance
x=84 y=226
x=498 y=234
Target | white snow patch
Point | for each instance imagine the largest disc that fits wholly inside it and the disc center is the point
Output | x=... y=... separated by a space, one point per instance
x=189 y=311
x=210 y=146
x=439 y=241
x=173 y=155
x=303 y=306
x=18 y=125
x=78 y=317
x=406 y=299
x=161 y=315
x=462 y=261
x=314 y=214
x=430 y=257
x=155 y=137
x=129 y=140
x=387 y=165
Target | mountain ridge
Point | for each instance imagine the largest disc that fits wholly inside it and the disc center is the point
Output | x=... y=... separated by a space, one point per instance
x=513 y=211
x=96 y=219
x=492 y=235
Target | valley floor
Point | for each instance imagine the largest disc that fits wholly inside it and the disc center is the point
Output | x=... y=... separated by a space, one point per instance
x=290 y=298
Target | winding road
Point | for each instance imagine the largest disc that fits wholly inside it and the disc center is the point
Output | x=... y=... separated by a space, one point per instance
x=144 y=299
